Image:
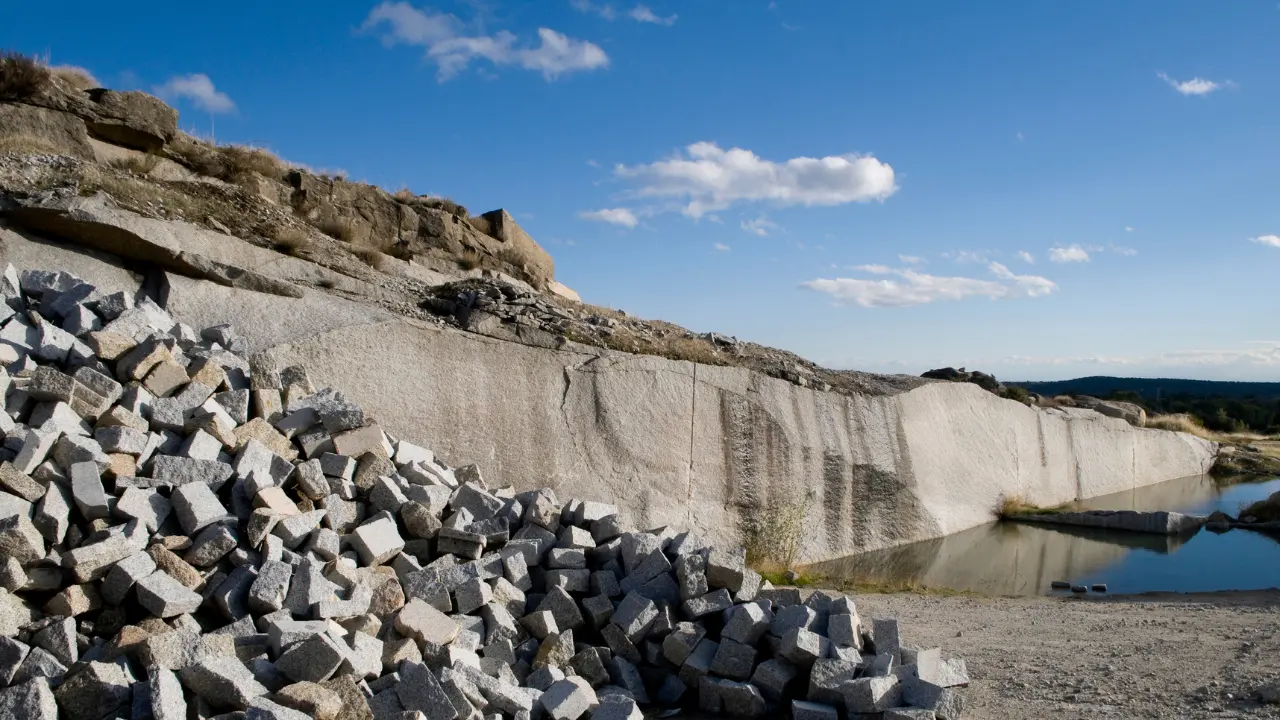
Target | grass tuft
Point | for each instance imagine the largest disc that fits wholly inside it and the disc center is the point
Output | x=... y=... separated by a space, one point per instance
x=27 y=145
x=21 y=77
x=377 y=260
x=469 y=259
x=289 y=241
x=338 y=228
x=136 y=164
x=76 y=77
x=1012 y=505
x=1178 y=422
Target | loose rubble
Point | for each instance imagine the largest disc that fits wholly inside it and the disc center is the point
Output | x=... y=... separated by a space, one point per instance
x=190 y=532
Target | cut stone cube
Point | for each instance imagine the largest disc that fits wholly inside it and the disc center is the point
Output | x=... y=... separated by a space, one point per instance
x=377 y=541
x=165 y=597
x=424 y=623
x=569 y=699
x=87 y=490
x=197 y=507
x=312 y=660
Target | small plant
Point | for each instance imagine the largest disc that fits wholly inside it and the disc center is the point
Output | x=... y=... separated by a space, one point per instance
x=290 y=241
x=1014 y=505
x=241 y=161
x=404 y=195
x=338 y=228
x=136 y=164
x=441 y=203
x=27 y=145
x=469 y=259
x=773 y=535
x=377 y=260
x=21 y=77
x=1014 y=392
x=76 y=77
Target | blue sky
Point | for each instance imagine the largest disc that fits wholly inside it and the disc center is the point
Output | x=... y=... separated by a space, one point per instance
x=1040 y=190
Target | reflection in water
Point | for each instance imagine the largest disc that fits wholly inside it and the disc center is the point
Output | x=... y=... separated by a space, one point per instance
x=1021 y=559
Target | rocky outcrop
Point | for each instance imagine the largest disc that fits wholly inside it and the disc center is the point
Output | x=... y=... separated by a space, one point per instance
x=25 y=128
x=721 y=450
x=132 y=119
x=1156 y=523
x=1129 y=412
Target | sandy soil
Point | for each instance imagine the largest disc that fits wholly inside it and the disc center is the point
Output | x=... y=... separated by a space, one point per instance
x=1145 y=656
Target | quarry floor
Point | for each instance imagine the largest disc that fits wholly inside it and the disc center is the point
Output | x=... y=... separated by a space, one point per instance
x=1142 y=656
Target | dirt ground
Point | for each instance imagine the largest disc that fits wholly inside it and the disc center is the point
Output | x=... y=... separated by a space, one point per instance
x=1144 y=656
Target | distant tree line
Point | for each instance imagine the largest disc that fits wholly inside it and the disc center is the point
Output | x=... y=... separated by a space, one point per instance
x=1224 y=414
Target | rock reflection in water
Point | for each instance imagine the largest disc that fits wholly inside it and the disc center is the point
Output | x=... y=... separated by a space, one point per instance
x=1023 y=559
x=996 y=559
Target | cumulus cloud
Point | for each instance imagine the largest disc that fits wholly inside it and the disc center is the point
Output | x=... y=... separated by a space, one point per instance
x=1194 y=86
x=615 y=216
x=199 y=89
x=1027 y=257
x=761 y=226
x=1272 y=240
x=705 y=178
x=446 y=43
x=1071 y=253
x=966 y=257
x=721 y=247
x=910 y=287
x=642 y=13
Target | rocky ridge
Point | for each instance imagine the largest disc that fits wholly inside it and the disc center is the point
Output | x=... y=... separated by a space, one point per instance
x=189 y=529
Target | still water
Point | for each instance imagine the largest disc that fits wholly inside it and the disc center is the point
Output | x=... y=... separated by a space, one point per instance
x=1022 y=559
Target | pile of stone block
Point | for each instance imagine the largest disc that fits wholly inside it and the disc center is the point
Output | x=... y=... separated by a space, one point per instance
x=187 y=530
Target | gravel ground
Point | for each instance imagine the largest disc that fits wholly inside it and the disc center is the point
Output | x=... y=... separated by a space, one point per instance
x=1144 y=656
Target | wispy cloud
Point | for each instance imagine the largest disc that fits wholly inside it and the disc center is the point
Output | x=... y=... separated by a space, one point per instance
x=705 y=178
x=642 y=13
x=1027 y=257
x=614 y=216
x=721 y=247
x=1272 y=240
x=1194 y=86
x=604 y=10
x=910 y=287
x=199 y=89
x=761 y=226
x=1122 y=250
x=446 y=43
x=1256 y=354
x=910 y=259
x=967 y=257
x=1128 y=228
x=1070 y=253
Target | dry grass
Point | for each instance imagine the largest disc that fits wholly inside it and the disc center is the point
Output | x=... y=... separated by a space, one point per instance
x=236 y=164
x=481 y=224
x=338 y=228
x=21 y=76
x=1012 y=505
x=241 y=160
x=136 y=164
x=76 y=77
x=1179 y=422
x=404 y=195
x=439 y=203
x=377 y=260
x=27 y=145
x=289 y=240
x=469 y=259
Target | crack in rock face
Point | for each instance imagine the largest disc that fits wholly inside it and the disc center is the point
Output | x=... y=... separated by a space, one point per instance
x=186 y=527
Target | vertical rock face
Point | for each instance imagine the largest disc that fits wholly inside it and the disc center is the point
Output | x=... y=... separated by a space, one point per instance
x=734 y=454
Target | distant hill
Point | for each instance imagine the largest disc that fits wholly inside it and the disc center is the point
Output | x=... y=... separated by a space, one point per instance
x=1149 y=388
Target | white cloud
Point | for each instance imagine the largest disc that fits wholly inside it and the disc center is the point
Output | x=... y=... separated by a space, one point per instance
x=604 y=10
x=761 y=226
x=1128 y=228
x=874 y=269
x=1027 y=257
x=721 y=247
x=615 y=216
x=1194 y=86
x=910 y=259
x=915 y=288
x=442 y=35
x=642 y=13
x=1272 y=240
x=966 y=257
x=199 y=89
x=1071 y=253
x=706 y=178
x=1122 y=250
